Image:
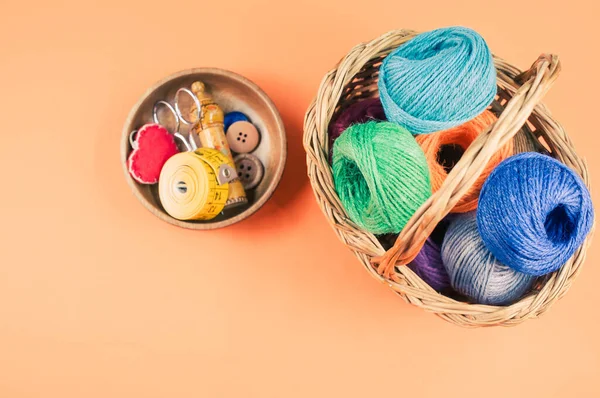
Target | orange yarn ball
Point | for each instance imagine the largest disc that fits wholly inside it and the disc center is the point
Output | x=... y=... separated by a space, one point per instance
x=459 y=138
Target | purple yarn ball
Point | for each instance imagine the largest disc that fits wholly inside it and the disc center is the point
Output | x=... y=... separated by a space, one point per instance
x=428 y=264
x=359 y=112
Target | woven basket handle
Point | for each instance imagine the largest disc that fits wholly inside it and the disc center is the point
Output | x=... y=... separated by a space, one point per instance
x=527 y=89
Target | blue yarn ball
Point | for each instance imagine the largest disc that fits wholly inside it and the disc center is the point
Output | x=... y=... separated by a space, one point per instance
x=473 y=269
x=437 y=80
x=233 y=117
x=534 y=212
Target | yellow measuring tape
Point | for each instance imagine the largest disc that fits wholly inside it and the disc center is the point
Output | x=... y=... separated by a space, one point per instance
x=195 y=185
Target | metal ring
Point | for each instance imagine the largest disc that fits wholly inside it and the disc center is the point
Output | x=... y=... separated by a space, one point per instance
x=196 y=102
x=155 y=114
x=132 y=140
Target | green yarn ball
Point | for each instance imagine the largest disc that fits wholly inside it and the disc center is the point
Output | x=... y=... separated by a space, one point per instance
x=380 y=175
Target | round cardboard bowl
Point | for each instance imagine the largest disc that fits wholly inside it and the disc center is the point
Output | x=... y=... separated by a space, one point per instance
x=233 y=93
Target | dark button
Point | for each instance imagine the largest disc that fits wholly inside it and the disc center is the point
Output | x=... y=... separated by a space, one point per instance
x=250 y=170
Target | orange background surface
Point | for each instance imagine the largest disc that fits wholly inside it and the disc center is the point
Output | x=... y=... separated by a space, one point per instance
x=98 y=298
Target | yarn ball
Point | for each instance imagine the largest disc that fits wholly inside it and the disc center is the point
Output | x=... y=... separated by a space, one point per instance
x=428 y=264
x=534 y=212
x=443 y=149
x=437 y=80
x=473 y=269
x=359 y=112
x=233 y=117
x=380 y=175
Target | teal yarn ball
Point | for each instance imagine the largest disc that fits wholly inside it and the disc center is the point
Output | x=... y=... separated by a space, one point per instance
x=473 y=269
x=380 y=175
x=437 y=80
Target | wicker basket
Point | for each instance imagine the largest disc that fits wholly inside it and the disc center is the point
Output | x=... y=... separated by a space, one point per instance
x=519 y=109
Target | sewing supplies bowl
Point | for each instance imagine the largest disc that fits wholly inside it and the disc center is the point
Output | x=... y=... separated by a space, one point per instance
x=518 y=107
x=231 y=92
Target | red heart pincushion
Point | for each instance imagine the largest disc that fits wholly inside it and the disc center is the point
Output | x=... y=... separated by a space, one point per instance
x=155 y=145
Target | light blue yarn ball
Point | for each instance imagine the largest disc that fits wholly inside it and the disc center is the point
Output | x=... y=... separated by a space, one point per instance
x=473 y=269
x=534 y=212
x=437 y=80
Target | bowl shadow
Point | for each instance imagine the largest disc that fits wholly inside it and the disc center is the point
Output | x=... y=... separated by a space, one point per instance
x=113 y=188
